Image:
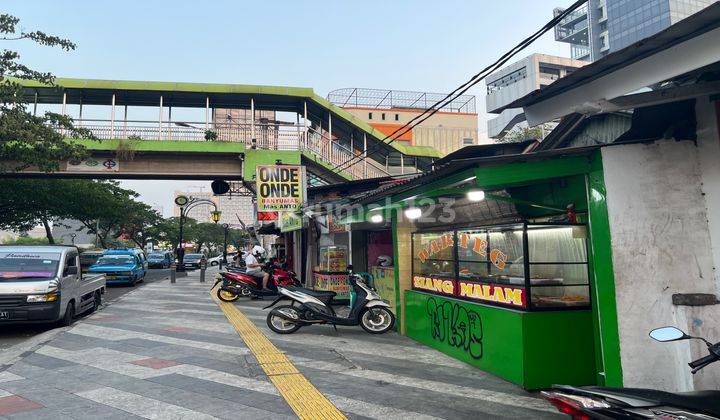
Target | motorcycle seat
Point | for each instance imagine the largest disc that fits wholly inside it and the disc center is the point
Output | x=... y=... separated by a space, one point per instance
x=320 y=294
x=707 y=402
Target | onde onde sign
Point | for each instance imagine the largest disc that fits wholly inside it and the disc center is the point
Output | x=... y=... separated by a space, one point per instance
x=280 y=187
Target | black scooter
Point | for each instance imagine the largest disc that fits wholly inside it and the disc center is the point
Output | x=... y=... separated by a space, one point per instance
x=633 y=403
x=315 y=307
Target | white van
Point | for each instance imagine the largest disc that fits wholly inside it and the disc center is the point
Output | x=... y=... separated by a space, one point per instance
x=44 y=284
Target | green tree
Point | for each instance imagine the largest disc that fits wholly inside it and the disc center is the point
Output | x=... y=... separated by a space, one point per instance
x=520 y=134
x=139 y=219
x=103 y=207
x=26 y=140
x=25 y=203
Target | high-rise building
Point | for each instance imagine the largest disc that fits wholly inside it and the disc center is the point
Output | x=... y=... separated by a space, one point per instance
x=603 y=26
x=517 y=80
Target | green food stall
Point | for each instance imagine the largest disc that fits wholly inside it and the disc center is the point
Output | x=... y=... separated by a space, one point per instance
x=500 y=264
x=512 y=299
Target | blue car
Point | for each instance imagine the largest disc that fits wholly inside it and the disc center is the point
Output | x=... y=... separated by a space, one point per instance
x=160 y=259
x=125 y=266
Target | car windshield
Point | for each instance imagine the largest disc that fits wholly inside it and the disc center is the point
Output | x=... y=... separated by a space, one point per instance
x=115 y=260
x=28 y=265
x=193 y=256
x=156 y=256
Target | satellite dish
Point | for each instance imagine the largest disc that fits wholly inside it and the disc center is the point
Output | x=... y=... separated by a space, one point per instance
x=220 y=187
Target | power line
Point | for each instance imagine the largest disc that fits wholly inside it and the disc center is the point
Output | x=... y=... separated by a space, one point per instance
x=477 y=78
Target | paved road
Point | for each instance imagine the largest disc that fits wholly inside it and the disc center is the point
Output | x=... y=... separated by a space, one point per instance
x=9 y=336
x=169 y=352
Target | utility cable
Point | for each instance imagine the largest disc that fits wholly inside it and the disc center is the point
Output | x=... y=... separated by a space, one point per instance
x=477 y=78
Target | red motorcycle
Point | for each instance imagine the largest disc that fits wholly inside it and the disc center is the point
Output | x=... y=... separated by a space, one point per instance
x=236 y=283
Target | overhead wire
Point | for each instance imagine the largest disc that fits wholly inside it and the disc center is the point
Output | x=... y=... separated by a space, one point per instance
x=474 y=80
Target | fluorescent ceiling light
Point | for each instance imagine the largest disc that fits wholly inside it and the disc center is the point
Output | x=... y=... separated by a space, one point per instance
x=476 y=195
x=413 y=213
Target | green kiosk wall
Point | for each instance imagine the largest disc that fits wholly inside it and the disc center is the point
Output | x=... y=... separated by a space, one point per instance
x=532 y=349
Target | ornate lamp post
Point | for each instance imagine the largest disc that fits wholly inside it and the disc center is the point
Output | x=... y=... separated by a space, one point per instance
x=186 y=204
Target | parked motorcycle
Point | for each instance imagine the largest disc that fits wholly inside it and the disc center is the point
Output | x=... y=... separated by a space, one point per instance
x=634 y=403
x=236 y=283
x=315 y=307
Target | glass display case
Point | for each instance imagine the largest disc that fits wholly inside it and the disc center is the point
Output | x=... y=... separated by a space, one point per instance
x=524 y=266
x=333 y=258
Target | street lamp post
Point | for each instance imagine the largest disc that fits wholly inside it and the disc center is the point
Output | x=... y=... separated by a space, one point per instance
x=225 y=232
x=185 y=205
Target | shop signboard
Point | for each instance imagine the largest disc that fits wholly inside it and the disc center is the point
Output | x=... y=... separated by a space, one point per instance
x=492 y=293
x=384 y=278
x=289 y=221
x=280 y=187
x=475 y=291
x=337 y=283
x=439 y=286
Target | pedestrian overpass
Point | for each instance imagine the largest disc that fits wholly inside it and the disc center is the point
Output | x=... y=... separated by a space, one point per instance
x=216 y=131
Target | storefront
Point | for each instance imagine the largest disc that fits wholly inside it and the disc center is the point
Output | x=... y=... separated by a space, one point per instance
x=507 y=282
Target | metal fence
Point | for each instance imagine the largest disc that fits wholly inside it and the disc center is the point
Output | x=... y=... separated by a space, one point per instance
x=266 y=137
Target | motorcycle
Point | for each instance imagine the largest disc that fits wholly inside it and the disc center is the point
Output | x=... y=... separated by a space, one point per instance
x=236 y=283
x=634 y=403
x=315 y=307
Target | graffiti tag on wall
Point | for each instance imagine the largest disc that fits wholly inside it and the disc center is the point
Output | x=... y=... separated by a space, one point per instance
x=456 y=326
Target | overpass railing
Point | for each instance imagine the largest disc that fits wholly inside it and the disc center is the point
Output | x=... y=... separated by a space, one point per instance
x=267 y=136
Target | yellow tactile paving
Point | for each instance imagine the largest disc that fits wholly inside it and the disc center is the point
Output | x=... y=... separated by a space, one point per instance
x=302 y=396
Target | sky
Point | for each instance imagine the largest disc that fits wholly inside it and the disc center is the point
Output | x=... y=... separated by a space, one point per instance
x=417 y=45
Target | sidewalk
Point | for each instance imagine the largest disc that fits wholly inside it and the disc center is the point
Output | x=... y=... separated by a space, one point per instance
x=167 y=351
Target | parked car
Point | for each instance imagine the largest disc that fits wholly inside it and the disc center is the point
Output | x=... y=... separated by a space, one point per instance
x=160 y=259
x=44 y=284
x=194 y=260
x=126 y=266
x=89 y=258
x=216 y=260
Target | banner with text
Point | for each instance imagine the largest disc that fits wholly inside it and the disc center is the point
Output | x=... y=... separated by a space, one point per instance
x=280 y=187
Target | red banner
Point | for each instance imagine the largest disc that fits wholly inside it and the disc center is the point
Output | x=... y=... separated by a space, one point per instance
x=264 y=216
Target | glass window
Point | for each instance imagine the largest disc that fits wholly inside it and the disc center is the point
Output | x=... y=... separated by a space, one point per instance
x=369 y=115
x=557 y=244
x=28 y=266
x=492 y=255
x=558 y=266
x=433 y=254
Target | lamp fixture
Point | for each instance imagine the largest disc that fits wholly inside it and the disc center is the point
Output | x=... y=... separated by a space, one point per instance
x=413 y=213
x=476 y=195
x=376 y=218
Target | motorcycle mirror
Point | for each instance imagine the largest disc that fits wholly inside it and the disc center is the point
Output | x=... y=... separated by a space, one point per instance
x=665 y=334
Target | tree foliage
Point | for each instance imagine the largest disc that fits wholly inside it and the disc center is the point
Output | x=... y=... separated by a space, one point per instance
x=520 y=134
x=103 y=207
x=26 y=140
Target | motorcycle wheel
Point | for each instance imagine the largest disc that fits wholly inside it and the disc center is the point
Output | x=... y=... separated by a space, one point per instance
x=227 y=296
x=377 y=320
x=281 y=325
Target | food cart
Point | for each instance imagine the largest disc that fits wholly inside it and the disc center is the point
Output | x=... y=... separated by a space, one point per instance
x=331 y=274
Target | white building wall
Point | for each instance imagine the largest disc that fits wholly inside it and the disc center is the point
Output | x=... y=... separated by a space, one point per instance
x=662 y=245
